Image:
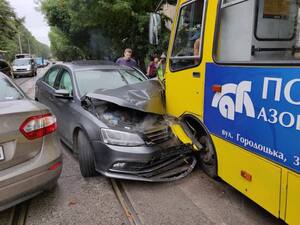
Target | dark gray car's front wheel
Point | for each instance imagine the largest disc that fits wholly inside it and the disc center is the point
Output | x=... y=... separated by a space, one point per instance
x=85 y=156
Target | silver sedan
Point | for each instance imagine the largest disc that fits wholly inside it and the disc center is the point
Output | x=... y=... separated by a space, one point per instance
x=30 y=159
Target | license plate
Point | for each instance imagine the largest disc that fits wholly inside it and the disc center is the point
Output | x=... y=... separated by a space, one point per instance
x=2 y=157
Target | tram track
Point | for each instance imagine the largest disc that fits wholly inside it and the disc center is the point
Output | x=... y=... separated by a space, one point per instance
x=130 y=212
x=19 y=213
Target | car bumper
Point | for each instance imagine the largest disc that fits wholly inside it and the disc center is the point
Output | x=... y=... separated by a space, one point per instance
x=32 y=177
x=168 y=161
x=23 y=73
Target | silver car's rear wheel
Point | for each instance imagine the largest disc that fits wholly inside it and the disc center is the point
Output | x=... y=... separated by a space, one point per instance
x=85 y=155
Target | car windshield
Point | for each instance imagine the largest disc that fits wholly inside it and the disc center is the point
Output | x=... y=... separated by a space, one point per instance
x=91 y=80
x=21 y=62
x=7 y=91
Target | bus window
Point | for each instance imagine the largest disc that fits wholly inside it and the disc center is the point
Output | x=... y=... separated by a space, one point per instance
x=258 y=31
x=187 y=44
x=276 y=19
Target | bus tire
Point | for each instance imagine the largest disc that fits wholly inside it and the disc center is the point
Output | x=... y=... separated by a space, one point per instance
x=208 y=157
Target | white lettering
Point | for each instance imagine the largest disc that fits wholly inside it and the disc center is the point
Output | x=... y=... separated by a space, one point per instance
x=298 y=123
x=287 y=91
x=277 y=90
x=250 y=143
x=291 y=119
x=296 y=160
x=273 y=115
x=243 y=99
x=263 y=114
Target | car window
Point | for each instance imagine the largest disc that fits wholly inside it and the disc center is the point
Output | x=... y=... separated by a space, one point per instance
x=7 y=91
x=91 y=80
x=51 y=76
x=66 y=82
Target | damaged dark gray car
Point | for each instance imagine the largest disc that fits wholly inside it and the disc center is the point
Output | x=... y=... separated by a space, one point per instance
x=114 y=119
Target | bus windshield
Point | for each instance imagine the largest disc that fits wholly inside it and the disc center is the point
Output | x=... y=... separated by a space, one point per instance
x=258 y=31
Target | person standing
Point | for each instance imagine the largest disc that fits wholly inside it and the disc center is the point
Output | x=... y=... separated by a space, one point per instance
x=162 y=66
x=127 y=59
x=153 y=66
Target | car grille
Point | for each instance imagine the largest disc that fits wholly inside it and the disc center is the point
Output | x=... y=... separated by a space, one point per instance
x=21 y=70
x=158 y=136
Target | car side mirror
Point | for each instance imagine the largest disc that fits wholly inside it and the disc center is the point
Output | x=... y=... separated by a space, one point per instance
x=63 y=93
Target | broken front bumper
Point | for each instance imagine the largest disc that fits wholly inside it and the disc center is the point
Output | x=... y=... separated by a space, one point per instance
x=168 y=161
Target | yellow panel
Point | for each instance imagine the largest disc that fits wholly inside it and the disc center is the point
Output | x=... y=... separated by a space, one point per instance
x=264 y=188
x=293 y=200
x=177 y=129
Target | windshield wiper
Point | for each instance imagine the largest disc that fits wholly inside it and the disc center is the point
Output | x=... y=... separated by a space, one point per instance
x=130 y=75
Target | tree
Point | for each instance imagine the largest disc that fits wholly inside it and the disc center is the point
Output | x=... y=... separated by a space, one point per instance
x=11 y=27
x=101 y=28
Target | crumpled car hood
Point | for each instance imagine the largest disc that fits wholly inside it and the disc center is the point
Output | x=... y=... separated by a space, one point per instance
x=146 y=96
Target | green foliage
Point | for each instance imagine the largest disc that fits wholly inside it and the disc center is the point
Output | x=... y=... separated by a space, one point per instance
x=100 y=28
x=11 y=27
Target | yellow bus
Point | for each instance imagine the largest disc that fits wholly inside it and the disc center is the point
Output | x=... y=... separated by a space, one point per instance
x=233 y=80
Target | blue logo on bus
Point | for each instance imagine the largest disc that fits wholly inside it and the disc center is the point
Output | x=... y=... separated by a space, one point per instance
x=257 y=109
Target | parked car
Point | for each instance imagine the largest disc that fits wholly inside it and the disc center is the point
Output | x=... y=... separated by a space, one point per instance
x=39 y=61
x=113 y=119
x=46 y=62
x=5 y=68
x=24 y=67
x=30 y=160
x=22 y=55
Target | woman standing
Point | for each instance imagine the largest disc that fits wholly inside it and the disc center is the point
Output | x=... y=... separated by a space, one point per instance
x=153 y=66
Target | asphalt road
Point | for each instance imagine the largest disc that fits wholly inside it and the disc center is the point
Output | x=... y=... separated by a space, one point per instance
x=194 y=200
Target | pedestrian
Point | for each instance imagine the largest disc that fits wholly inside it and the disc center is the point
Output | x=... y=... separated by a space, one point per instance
x=153 y=66
x=127 y=59
x=162 y=66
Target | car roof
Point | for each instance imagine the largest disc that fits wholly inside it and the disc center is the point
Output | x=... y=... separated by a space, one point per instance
x=92 y=65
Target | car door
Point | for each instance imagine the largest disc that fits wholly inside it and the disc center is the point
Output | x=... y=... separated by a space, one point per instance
x=65 y=106
x=46 y=88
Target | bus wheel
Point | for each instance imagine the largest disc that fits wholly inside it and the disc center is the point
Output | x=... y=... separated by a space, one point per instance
x=208 y=157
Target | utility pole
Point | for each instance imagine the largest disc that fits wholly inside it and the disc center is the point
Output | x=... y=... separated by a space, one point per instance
x=29 y=49
x=20 y=44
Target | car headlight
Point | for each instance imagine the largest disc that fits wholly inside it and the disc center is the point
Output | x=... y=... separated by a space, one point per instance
x=116 y=137
x=28 y=68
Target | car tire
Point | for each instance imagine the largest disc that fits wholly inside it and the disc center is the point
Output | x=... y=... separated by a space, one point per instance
x=85 y=156
x=208 y=157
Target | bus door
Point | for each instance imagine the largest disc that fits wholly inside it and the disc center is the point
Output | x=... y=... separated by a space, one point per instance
x=185 y=72
x=255 y=105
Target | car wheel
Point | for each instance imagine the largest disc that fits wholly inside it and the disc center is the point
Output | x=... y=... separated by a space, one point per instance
x=208 y=157
x=85 y=156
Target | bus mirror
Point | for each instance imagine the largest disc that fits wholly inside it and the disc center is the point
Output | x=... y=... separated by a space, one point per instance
x=154 y=28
